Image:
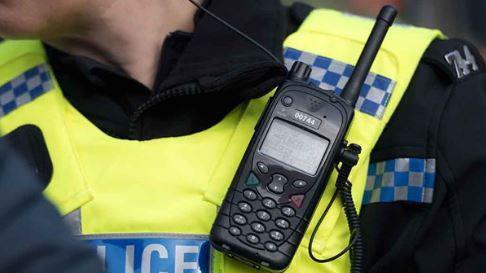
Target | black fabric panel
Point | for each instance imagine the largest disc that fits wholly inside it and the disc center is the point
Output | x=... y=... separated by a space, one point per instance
x=393 y=230
x=412 y=130
x=224 y=69
x=214 y=50
x=443 y=119
x=463 y=146
x=297 y=13
x=33 y=237
x=28 y=143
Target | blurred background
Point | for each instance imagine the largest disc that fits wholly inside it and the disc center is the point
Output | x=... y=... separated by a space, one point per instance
x=456 y=18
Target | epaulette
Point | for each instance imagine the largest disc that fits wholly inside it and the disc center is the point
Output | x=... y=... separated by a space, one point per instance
x=457 y=58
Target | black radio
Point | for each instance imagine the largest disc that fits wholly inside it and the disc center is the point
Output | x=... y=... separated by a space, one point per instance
x=283 y=174
x=298 y=141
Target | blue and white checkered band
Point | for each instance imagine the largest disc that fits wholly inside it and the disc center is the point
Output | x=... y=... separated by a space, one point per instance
x=152 y=253
x=25 y=88
x=401 y=179
x=333 y=75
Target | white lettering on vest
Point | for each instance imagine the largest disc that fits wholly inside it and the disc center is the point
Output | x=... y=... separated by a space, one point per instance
x=130 y=259
x=147 y=256
x=180 y=264
x=101 y=251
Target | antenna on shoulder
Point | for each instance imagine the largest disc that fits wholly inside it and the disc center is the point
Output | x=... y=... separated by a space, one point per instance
x=384 y=21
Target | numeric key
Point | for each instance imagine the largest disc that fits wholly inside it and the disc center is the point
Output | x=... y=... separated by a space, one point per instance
x=258 y=227
x=288 y=211
x=245 y=207
x=276 y=235
x=239 y=219
x=263 y=215
x=282 y=223
x=252 y=238
x=250 y=195
x=269 y=203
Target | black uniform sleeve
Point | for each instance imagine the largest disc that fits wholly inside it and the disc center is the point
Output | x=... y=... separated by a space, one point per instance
x=442 y=116
x=33 y=237
x=462 y=158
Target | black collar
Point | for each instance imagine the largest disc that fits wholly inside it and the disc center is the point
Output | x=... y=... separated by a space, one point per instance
x=202 y=76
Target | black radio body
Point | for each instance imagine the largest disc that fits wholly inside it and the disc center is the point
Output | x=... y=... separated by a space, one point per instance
x=286 y=167
x=283 y=175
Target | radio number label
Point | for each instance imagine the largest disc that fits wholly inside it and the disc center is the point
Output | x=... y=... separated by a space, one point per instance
x=306 y=119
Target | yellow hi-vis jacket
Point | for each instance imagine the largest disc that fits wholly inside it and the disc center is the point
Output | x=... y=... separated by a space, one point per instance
x=148 y=206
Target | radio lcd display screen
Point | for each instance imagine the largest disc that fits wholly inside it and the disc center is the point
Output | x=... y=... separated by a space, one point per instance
x=294 y=146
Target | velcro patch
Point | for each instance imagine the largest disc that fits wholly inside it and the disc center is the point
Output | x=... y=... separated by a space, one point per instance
x=333 y=75
x=152 y=253
x=25 y=88
x=400 y=179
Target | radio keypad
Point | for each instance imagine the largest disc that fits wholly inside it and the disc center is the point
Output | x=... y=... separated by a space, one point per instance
x=279 y=179
x=252 y=238
x=263 y=215
x=258 y=227
x=277 y=184
x=257 y=217
x=252 y=180
x=269 y=203
x=276 y=235
x=250 y=195
x=262 y=167
x=282 y=223
x=297 y=200
x=239 y=219
x=271 y=247
x=276 y=188
x=245 y=207
x=299 y=184
x=288 y=211
x=235 y=231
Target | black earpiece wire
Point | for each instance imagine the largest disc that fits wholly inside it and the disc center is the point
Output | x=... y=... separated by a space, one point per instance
x=237 y=31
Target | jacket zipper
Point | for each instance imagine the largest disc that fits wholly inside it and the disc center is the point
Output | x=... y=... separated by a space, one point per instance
x=179 y=91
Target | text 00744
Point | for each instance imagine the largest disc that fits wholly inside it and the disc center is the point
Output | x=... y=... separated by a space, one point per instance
x=306 y=119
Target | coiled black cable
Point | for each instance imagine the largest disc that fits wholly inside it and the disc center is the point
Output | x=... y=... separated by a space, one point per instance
x=358 y=249
x=356 y=246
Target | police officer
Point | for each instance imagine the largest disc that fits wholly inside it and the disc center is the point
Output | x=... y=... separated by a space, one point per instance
x=144 y=108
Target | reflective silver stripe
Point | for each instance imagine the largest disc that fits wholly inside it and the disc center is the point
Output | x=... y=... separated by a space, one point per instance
x=401 y=179
x=333 y=75
x=129 y=259
x=73 y=220
x=25 y=88
x=101 y=252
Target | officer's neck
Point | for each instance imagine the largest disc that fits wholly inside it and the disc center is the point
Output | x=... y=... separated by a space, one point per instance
x=130 y=35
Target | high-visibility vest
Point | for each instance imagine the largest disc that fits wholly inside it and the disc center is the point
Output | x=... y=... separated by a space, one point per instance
x=148 y=206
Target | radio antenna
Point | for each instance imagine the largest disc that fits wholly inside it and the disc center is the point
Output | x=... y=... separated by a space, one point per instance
x=237 y=31
x=353 y=88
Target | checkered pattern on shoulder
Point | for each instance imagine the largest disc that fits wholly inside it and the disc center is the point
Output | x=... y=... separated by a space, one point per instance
x=401 y=179
x=25 y=88
x=333 y=75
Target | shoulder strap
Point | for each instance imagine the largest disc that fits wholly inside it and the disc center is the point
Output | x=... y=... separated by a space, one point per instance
x=30 y=95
